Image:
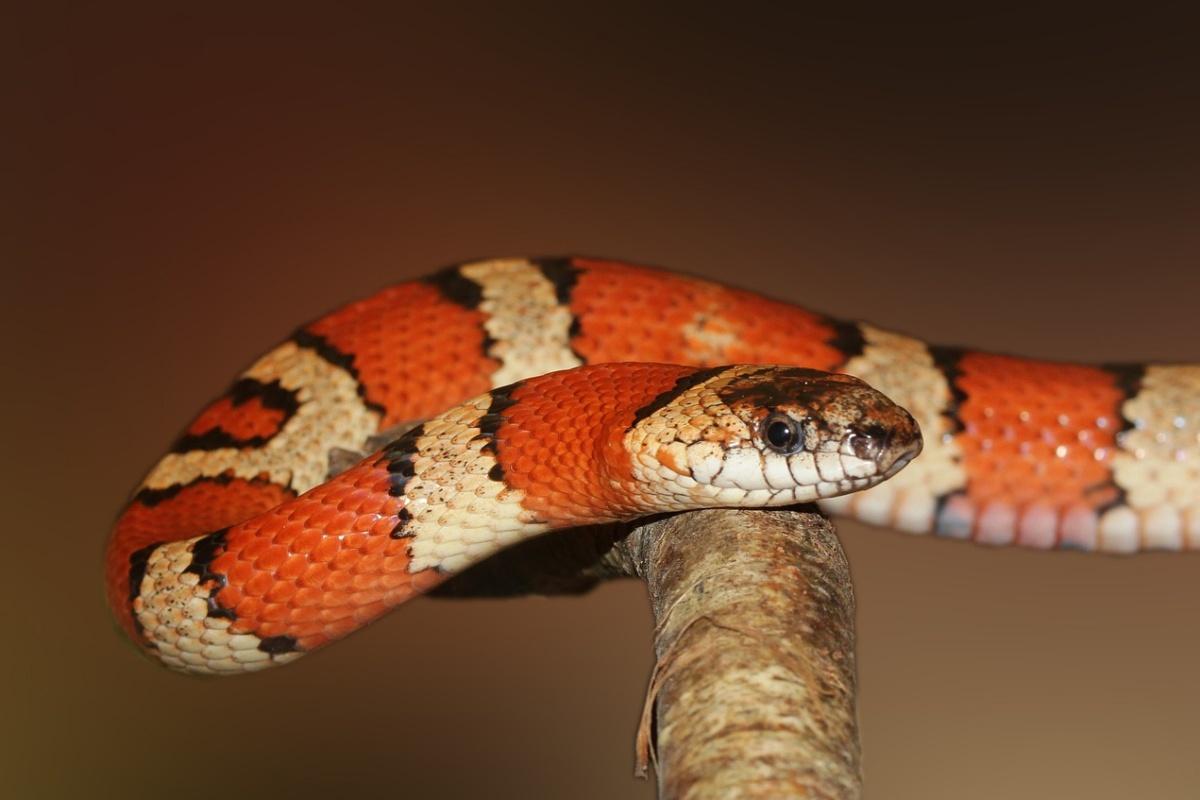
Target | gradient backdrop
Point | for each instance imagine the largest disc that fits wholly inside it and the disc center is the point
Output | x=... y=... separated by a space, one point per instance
x=184 y=188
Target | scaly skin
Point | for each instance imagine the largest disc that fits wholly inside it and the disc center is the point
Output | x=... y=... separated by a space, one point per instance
x=590 y=445
x=1016 y=450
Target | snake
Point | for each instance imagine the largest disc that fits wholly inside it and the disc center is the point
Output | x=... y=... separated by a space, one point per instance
x=548 y=393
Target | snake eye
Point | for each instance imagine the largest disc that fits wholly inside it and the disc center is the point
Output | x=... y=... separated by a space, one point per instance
x=782 y=433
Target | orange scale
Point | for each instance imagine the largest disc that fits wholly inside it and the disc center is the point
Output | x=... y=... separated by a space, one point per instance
x=298 y=615
x=351 y=500
x=314 y=575
x=341 y=523
x=363 y=582
x=396 y=563
x=395 y=579
x=307 y=643
x=274 y=612
x=334 y=599
x=374 y=544
x=366 y=523
x=242 y=626
x=353 y=541
x=237 y=573
x=269 y=627
x=305 y=630
x=225 y=562
x=321 y=517
x=307 y=597
x=368 y=613
x=332 y=613
x=305 y=542
x=396 y=547
x=293 y=568
x=248 y=608
x=250 y=548
x=375 y=503
x=280 y=592
x=325 y=550
x=425 y=580
x=259 y=585
x=271 y=557
x=344 y=559
x=288 y=532
x=229 y=596
x=339 y=580
x=369 y=564
x=339 y=628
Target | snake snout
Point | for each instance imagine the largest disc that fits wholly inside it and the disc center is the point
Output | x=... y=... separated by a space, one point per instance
x=899 y=442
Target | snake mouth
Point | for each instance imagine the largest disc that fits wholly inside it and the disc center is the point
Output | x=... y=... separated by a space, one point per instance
x=902 y=460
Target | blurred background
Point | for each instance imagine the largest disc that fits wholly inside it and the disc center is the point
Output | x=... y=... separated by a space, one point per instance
x=183 y=187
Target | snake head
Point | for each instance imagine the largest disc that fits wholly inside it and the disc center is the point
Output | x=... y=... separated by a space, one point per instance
x=768 y=436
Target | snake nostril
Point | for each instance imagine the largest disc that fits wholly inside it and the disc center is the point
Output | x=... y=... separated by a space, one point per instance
x=870 y=442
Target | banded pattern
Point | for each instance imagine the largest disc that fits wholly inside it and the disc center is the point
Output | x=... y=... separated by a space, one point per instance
x=225 y=563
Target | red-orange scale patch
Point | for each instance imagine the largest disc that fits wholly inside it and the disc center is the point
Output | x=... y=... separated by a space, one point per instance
x=249 y=419
x=562 y=444
x=632 y=314
x=322 y=564
x=1037 y=431
x=199 y=508
x=416 y=352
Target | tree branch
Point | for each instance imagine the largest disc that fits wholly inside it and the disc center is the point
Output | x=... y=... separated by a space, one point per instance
x=754 y=687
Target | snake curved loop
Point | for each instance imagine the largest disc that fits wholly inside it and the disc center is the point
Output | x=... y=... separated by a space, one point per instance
x=598 y=395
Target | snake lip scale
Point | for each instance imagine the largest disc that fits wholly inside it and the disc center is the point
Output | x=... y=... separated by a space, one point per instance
x=567 y=391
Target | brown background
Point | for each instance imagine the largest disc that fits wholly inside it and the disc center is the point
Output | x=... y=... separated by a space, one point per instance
x=186 y=187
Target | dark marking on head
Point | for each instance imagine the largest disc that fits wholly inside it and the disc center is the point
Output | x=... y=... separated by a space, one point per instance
x=270 y=395
x=947 y=359
x=456 y=287
x=847 y=338
x=139 y=560
x=307 y=339
x=681 y=385
x=398 y=457
x=778 y=388
x=561 y=272
x=277 y=645
x=204 y=551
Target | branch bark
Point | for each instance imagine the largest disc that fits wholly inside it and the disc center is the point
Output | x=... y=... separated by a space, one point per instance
x=754 y=687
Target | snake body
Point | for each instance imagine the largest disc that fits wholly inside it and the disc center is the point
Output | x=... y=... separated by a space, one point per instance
x=238 y=551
